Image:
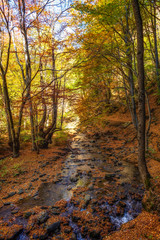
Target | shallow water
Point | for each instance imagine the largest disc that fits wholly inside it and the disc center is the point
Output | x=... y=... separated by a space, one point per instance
x=77 y=171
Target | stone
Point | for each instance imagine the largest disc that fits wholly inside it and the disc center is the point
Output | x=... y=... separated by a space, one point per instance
x=91 y=188
x=109 y=176
x=55 y=211
x=95 y=234
x=87 y=199
x=44 y=180
x=27 y=214
x=30 y=185
x=44 y=207
x=20 y=191
x=14 y=211
x=34 y=179
x=53 y=227
x=68 y=230
x=9 y=195
x=42 y=175
x=43 y=216
x=43 y=165
x=7 y=203
x=40 y=236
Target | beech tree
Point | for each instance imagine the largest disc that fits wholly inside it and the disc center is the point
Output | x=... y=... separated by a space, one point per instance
x=5 y=31
x=141 y=94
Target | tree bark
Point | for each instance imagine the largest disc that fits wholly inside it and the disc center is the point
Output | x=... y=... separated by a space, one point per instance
x=15 y=142
x=129 y=68
x=141 y=95
x=156 y=49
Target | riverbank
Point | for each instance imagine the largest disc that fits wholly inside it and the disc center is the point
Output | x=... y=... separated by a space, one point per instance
x=86 y=191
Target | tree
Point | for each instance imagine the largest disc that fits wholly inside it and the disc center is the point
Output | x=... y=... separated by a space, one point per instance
x=5 y=14
x=141 y=95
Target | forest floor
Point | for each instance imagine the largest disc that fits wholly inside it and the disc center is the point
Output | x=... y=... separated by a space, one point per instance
x=84 y=190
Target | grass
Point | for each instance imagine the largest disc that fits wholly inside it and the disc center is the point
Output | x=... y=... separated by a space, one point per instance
x=151 y=150
x=17 y=169
x=3 y=171
x=60 y=138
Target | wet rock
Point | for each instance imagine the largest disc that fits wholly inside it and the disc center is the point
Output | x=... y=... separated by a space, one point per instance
x=20 y=191
x=95 y=234
x=91 y=188
x=75 y=218
x=9 y=195
x=55 y=211
x=109 y=176
x=51 y=228
x=36 y=194
x=30 y=185
x=120 y=163
x=44 y=180
x=68 y=230
x=27 y=214
x=36 y=197
x=42 y=175
x=41 y=236
x=34 y=179
x=43 y=216
x=14 y=211
x=87 y=199
x=7 y=203
x=43 y=165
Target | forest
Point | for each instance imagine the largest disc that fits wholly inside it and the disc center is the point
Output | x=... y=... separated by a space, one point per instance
x=79 y=119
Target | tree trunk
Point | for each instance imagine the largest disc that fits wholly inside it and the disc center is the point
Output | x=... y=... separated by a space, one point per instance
x=129 y=69
x=156 y=48
x=10 y=143
x=15 y=142
x=141 y=95
x=27 y=78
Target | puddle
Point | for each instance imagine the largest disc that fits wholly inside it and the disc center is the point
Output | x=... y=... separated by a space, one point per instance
x=47 y=195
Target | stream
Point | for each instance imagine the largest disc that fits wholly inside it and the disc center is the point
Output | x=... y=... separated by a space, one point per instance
x=109 y=185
